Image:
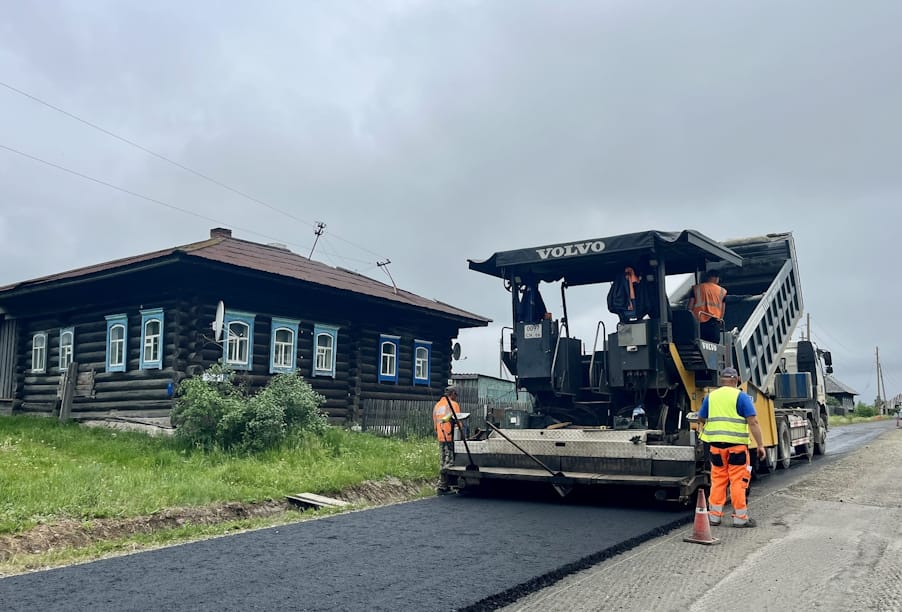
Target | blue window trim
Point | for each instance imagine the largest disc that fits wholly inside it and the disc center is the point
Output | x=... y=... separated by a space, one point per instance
x=151 y=314
x=42 y=369
x=291 y=325
x=383 y=340
x=59 y=353
x=111 y=322
x=422 y=344
x=233 y=316
x=331 y=330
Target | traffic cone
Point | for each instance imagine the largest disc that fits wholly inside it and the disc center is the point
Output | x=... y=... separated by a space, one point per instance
x=701 y=531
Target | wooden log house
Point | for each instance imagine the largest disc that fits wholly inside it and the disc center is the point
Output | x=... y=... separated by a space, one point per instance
x=137 y=326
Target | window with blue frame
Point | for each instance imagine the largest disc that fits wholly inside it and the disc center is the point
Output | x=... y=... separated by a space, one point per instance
x=325 y=343
x=116 y=342
x=283 y=350
x=67 y=347
x=388 y=357
x=422 y=358
x=238 y=340
x=152 y=339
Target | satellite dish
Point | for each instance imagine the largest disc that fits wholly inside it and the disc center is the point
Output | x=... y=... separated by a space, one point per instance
x=455 y=351
x=218 y=321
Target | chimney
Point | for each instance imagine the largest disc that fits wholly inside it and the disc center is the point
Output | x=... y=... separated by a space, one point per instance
x=220 y=232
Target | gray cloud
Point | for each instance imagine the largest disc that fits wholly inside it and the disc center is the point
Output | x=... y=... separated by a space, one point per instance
x=435 y=132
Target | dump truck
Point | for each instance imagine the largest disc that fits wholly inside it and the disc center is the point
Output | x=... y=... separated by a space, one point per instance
x=622 y=409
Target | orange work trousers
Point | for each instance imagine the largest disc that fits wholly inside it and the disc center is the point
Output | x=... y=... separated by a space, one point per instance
x=729 y=466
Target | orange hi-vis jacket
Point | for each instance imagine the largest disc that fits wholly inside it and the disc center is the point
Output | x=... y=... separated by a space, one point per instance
x=441 y=416
x=707 y=301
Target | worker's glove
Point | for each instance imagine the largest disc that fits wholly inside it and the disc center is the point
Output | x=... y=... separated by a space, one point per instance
x=446 y=418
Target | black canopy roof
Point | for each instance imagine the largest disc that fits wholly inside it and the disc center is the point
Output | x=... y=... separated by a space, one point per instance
x=602 y=260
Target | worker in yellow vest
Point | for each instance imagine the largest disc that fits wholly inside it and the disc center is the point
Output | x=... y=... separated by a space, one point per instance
x=444 y=431
x=727 y=416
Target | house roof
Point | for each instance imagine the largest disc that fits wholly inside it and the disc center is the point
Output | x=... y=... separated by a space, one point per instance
x=222 y=248
x=835 y=387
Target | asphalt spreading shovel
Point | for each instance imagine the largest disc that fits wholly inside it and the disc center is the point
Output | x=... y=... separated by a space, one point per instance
x=471 y=466
x=559 y=481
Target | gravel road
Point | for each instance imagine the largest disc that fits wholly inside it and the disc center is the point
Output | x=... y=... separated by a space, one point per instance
x=829 y=538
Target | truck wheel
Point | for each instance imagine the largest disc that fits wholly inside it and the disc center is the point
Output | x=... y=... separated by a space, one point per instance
x=820 y=437
x=785 y=445
x=770 y=458
x=807 y=449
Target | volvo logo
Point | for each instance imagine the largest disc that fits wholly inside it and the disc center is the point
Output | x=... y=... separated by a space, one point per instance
x=569 y=250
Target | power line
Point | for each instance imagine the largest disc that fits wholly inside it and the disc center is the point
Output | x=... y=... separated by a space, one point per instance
x=135 y=194
x=168 y=160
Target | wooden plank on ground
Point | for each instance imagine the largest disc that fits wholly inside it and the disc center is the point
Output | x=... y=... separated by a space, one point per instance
x=312 y=500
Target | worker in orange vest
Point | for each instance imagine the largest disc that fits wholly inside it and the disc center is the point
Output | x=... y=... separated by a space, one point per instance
x=727 y=416
x=444 y=428
x=707 y=304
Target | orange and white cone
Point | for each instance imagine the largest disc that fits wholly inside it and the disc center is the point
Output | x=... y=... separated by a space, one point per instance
x=701 y=531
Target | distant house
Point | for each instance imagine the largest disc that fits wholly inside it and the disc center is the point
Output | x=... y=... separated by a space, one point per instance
x=843 y=393
x=490 y=396
x=137 y=326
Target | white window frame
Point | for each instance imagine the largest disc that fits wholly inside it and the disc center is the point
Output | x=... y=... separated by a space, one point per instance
x=233 y=317
x=114 y=322
x=39 y=351
x=390 y=359
x=290 y=348
x=66 y=349
x=148 y=317
x=426 y=347
x=326 y=365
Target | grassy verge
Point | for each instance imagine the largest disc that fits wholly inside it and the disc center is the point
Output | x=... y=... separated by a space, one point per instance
x=837 y=420
x=52 y=472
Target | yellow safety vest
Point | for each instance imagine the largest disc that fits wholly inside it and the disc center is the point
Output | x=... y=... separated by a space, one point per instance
x=723 y=423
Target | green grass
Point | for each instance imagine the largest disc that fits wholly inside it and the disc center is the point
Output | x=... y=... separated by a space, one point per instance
x=51 y=471
x=837 y=420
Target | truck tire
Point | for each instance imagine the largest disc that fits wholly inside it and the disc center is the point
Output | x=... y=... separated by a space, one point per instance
x=807 y=449
x=820 y=436
x=784 y=440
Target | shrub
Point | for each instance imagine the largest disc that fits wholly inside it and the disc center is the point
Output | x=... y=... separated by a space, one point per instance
x=300 y=401
x=202 y=403
x=863 y=410
x=211 y=410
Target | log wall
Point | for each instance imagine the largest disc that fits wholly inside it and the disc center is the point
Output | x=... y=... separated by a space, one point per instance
x=188 y=296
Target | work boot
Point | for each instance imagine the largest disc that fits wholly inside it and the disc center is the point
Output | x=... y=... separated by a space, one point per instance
x=748 y=523
x=445 y=491
x=714 y=521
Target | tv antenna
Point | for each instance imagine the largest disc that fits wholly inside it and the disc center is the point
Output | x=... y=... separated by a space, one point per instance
x=320 y=228
x=384 y=266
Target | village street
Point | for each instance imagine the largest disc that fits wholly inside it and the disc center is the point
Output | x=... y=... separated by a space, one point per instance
x=828 y=539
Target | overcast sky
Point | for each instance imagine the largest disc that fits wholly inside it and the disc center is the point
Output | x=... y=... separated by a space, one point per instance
x=430 y=133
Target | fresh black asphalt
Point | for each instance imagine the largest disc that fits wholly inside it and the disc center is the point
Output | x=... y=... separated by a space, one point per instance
x=444 y=553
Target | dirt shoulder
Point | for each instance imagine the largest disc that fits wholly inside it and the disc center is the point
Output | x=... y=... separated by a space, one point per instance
x=72 y=534
x=828 y=539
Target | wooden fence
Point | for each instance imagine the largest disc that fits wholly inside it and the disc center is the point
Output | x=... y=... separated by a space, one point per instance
x=410 y=418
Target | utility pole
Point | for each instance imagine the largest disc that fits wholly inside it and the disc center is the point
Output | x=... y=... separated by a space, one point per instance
x=881 y=391
x=384 y=266
x=320 y=228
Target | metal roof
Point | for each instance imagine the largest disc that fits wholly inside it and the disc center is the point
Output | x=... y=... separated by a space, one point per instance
x=835 y=387
x=601 y=260
x=221 y=248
